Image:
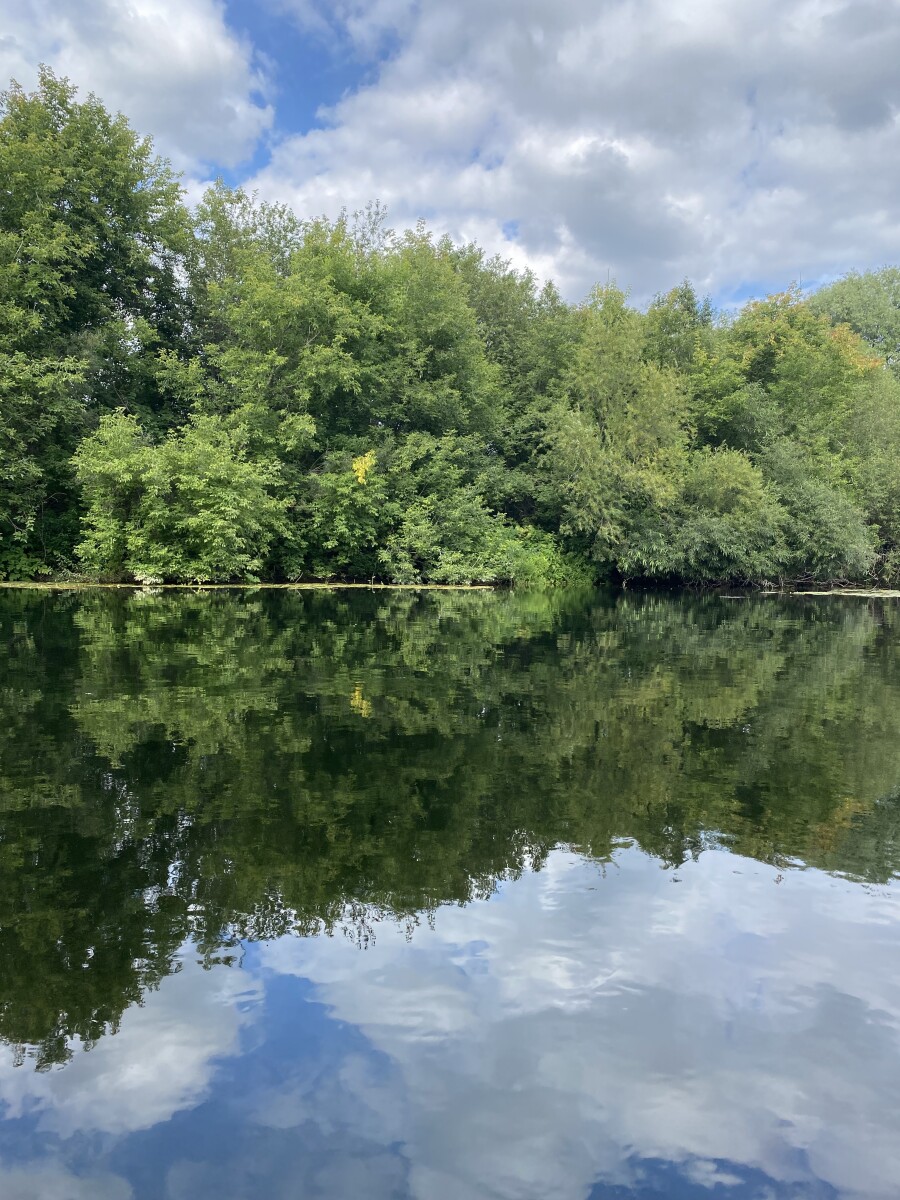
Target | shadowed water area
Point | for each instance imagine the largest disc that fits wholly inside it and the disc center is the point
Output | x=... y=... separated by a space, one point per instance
x=448 y=896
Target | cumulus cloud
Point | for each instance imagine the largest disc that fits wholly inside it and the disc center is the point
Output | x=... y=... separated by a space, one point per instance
x=745 y=145
x=174 y=67
x=740 y=144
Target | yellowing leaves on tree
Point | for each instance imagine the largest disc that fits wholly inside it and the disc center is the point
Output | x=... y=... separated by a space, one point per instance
x=363 y=466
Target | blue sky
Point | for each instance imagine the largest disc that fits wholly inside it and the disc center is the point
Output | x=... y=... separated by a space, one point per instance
x=308 y=69
x=742 y=144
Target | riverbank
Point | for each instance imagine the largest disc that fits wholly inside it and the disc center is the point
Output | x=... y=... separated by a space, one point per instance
x=55 y=586
x=212 y=587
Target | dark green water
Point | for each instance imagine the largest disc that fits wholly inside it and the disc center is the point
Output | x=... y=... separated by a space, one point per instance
x=448 y=896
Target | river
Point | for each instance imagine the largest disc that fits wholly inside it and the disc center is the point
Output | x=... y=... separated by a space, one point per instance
x=448 y=895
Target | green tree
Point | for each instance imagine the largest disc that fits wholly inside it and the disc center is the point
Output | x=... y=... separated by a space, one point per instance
x=189 y=508
x=92 y=234
x=677 y=326
x=529 y=334
x=725 y=523
x=805 y=400
x=617 y=437
x=869 y=302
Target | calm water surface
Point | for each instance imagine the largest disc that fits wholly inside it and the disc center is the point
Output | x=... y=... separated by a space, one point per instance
x=448 y=896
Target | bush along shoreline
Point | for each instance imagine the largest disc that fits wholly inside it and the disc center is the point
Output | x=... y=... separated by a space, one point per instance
x=237 y=393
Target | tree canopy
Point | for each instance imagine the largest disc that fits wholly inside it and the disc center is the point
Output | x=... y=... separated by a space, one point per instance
x=238 y=392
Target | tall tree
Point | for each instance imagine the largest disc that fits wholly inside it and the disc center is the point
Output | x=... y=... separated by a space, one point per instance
x=869 y=302
x=92 y=236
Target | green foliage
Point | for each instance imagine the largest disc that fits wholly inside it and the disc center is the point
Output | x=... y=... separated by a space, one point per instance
x=814 y=409
x=724 y=524
x=529 y=335
x=677 y=327
x=825 y=534
x=728 y=524
x=869 y=303
x=189 y=508
x=416 y=512
x=253 y=357
x=874 y=443
x=92 y=238
x=444 y=529
x=616 y=439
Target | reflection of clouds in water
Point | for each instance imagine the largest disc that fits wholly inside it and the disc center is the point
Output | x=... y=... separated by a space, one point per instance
x=354 y=1096
x=160 y=1061
x=301 y=1170
x=719 y=1019
x=568 y=1031
x=49 y=1181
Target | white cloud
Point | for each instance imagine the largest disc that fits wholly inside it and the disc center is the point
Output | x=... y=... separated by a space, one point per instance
x=743 y=143
x=174 y=67
x=757 y=140
x=361 y=25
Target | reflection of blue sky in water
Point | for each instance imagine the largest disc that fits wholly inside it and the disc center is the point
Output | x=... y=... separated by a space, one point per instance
x=577 y=1036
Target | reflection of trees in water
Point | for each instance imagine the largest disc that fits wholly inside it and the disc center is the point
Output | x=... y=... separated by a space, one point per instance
x=226 y=767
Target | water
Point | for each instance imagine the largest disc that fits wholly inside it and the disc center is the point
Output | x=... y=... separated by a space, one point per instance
x=448 y=896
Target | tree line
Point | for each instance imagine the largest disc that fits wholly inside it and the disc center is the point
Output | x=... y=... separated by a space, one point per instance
x=233 y=392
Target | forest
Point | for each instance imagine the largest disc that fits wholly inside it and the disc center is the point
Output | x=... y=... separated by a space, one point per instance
x=235 y=392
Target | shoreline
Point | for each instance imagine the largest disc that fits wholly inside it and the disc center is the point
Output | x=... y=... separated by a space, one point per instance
x=73 y=586
x=224 y=587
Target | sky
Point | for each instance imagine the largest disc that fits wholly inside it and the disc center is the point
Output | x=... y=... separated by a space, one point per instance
x=744 y=144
